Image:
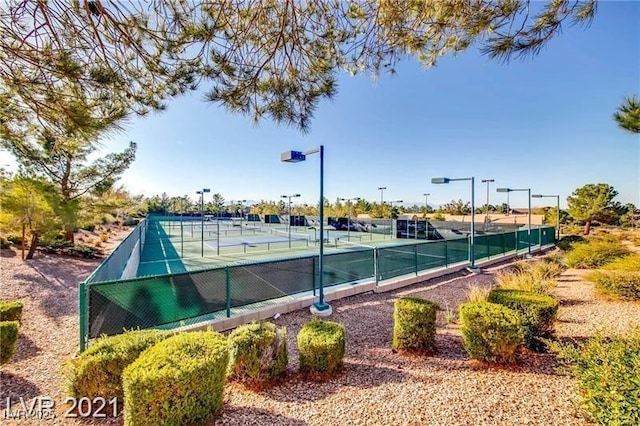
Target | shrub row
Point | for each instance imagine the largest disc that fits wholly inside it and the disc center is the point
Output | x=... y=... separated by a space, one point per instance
x=608 y=374
x=414 y=324
x=594 y=254
x=10 y=319
x=321 y=347
x=618 y=284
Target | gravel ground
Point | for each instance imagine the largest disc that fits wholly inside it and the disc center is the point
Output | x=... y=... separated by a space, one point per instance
x=377 y=386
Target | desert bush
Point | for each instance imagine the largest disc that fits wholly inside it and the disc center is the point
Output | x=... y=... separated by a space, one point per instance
x=630 y=263
x=617 y=284
x=525 y=281
x=257 y=352
x=567 y=242
x=88 y=226
x=478 y=294
x=11 y=310
x=104 y=237
x=178 y=381
x=414 y=324
x=8 y=339
x=490 y=332
x=321 y=346
x=4 y=243
x=97 y=371
x=594 y=254
x=537 y=314
x=608 y=374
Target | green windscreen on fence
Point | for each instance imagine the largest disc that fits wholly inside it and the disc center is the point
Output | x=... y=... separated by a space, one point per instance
x=110 y=307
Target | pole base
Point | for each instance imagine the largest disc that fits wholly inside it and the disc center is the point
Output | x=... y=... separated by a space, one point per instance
x=474 y=269
x=321 y=310
x=528 y=256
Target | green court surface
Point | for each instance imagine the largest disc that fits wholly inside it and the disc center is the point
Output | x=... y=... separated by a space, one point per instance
x=172 y=247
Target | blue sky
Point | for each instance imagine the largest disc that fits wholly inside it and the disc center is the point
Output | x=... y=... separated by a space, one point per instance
x=543 y=122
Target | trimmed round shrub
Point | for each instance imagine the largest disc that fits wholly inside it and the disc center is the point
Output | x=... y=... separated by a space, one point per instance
x=490 y=332
x=11 y=310
x=321 y=347
x=8 y=339
x=257 y=352
x=618 y=284
x=97 y=371
x=179 y=381
x=414 y=324
x=537 y=313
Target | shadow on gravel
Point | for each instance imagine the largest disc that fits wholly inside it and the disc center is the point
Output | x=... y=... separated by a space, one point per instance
x=234 y=415
x=26 y=348
x=14 y=387
x=574 y=302
x=298 y=388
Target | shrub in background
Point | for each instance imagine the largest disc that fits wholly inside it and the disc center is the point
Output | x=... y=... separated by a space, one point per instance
x=490 y=332
x=179 y=381
x=594 y=254
x=97 y=371
x=8 y=339
x=321 y=346
x=4 y=243
x=257 y=352
x=414 y=324
x=566 y=243
x=11 y=310
x=537 y=313
x=630 y=263
x=617 y=284
x=608 y=374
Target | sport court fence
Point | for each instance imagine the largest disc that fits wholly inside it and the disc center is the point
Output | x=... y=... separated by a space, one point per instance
x=174 y=300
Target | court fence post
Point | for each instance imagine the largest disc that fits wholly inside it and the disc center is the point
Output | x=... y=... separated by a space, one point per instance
x=446 y=254
x=415 y=258
x=228 y=291
x=375 y=264
x=82 y=300
x=313 y=273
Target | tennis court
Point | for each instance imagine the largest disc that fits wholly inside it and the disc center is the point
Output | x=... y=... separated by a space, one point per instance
x=174 y=247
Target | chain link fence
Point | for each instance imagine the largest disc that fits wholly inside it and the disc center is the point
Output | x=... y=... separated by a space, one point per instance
x=172 y=300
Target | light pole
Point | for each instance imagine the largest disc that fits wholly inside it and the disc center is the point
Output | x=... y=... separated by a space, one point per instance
x=507 y=190
x=201 y=193
x=558 y=211
x=349 y=200
x=289 y=227
x=381 y=189
x=320 y=308
x=440 y=180
x=426 y=203
x=486 y=215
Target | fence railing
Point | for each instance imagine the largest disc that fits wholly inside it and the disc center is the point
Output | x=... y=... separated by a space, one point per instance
x=123 y=257
x=191 y=297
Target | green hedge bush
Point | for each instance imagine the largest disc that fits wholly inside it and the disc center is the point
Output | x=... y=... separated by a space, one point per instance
x=490 y=332
x=414 y=324
x=537 y=312
x=594 y=254
x=8 y=339
x=321 y=346
x=257 y=352
x=608 y=374
x=618 y=284
x=178 y=381
x=97 y=371
x=11 y=310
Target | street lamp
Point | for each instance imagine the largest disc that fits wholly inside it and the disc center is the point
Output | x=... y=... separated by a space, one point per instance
x=507 y=190
x=321 y=309
x=381 y=189
x=441 y=180
x=558 y=207
x=201 y=193
x=289 y=227
x=349 y=200
x=241 y=204
x=486 y=215
x=426 y=203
